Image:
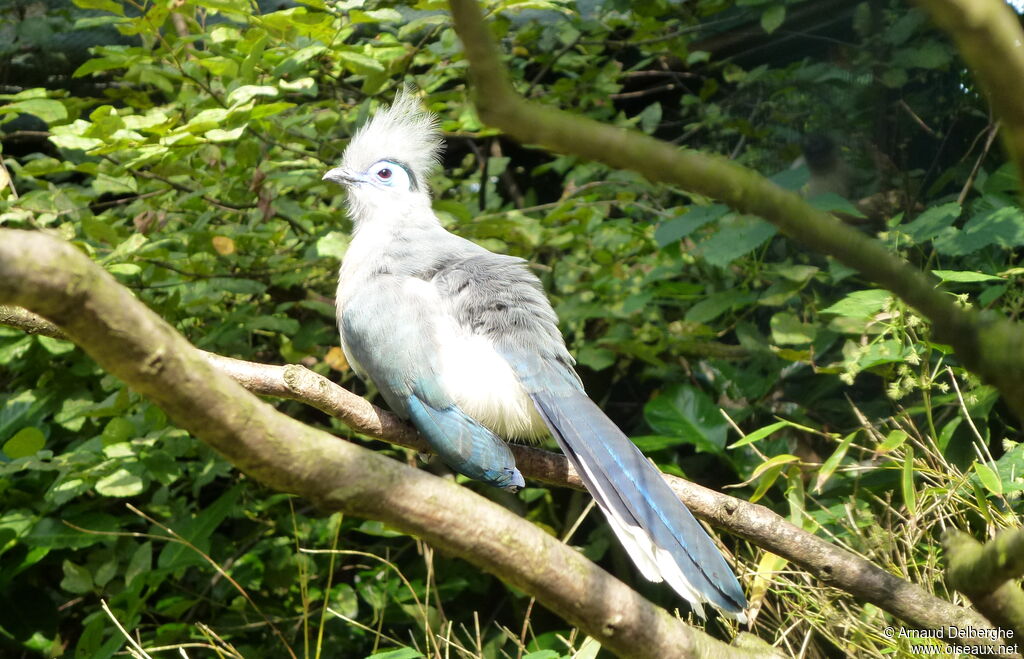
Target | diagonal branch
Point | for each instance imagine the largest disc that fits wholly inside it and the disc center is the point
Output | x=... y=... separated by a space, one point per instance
x=987 y=574
x=831 y=564
x=989 y=345
x=55 y=280
x=988 y=36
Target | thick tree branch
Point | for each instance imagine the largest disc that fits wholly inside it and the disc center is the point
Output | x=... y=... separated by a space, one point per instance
x=52 y=278
x=987 y=574
x=832 y=565
x=990 y=346
x=988 y=35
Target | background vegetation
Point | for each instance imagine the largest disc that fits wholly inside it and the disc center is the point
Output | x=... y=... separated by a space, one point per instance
x=185 y=156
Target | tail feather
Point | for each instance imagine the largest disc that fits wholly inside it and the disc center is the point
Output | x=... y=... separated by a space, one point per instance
x=657 y=530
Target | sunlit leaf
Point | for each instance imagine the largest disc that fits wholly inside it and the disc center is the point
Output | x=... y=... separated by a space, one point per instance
x=25 y=442
x=988 y=478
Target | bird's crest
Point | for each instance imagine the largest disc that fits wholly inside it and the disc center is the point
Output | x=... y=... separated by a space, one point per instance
x=404 y=132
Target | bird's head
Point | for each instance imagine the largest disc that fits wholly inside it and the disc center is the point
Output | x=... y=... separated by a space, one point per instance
x=388 y=161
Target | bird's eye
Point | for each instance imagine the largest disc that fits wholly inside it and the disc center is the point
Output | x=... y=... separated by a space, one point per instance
x=392 y=174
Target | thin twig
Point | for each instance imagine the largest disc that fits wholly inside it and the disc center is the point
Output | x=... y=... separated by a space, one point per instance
x=136 y=648
x=993 y=130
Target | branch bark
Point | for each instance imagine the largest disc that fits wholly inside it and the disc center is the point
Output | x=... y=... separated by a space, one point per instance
x=52 y=278
x=830 y=564
x=988 y=36
x=989 y=345
x=987 y=573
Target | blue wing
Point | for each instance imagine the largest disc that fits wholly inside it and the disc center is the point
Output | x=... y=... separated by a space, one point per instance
x=390 y=335
x=465 y=445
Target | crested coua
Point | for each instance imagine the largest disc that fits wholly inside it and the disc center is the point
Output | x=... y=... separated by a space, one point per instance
x=464 y=343
x=829 y=173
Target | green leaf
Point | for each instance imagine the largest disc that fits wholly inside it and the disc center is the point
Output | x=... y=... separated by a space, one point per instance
x=716 y=304
x=736 y=239
x=589 y=649
x=1005 y=180
x=929 y=55
x=275 y=324
x=932 y=222
x=760 y=434
x=907 y=482
x=674 y=230
x=688 y=413
x=782 y=459
x=650 y=117
x=964 y=276
x=379 y=529
x=264 y=110
x=861 y=305
x=595 y=357
x=386 y=15
x=72 y=136
x=54 y=533
x=1010 y=469
x=25 y=408
x=1003 y=227
x=26 y=442
x=98 y=64
x=830 y=202
x=198 y=531
x=121 y=483
x=652 y=443
x=100 y=231
x=64 y=490
x=77 y=579
x=140 y=563
x=219 y=66
x=218 y=135
x=246 y=93
x=895 y=439
x=769 y=475
x=101 y=5
x=695 y=57
x=773 y=17
x=118 y=429
x=124 y=269
x=358 y=63
x=787 y=329
x=797 y=273
x=894 y=78
x=829 y=467
x=884 y=352
x=333 y=245
x=988 y=478
x=46 y=109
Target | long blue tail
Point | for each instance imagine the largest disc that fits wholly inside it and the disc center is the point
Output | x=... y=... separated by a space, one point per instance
x=657 y=530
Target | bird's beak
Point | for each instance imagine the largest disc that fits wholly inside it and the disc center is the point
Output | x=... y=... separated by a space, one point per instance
x=343 y=177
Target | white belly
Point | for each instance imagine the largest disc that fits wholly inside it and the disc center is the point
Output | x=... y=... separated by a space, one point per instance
x=478 y=379
x=486 y=388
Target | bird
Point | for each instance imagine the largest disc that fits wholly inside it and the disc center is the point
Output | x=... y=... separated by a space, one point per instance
x=463 y=342
x=829 y=173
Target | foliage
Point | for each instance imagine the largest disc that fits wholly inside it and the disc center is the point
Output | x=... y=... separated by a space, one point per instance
x=186 y=159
